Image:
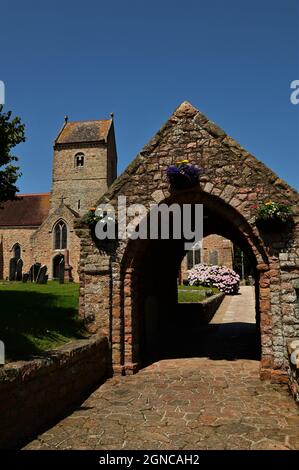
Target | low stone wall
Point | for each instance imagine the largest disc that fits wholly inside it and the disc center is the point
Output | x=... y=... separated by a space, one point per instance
x=201 y=313
x=34 y=394
x=293 y=349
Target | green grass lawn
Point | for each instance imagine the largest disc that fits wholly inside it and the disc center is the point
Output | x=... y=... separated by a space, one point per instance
x=194 y=293
x=35 y=317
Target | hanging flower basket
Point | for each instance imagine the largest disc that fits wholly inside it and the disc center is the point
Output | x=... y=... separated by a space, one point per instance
x=183 y=175
x=273 y=215
x=95 y=215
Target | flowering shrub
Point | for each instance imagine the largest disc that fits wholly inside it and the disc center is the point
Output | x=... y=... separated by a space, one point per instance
x=273 y=211
x=95 y=215
x=183 y=175
x=90 y=218
x=225 y=279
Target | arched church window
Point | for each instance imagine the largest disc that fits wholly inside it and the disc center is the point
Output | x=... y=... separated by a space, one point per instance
x=17 y=251
x=79 y=160
x=60 y=235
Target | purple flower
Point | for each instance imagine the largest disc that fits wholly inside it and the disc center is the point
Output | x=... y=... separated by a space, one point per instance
x=183 y=175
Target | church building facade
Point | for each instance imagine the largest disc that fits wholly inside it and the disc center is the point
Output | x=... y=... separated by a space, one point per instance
x=39 y=228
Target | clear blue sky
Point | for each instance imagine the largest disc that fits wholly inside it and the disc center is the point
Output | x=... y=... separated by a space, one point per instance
x=234 y=60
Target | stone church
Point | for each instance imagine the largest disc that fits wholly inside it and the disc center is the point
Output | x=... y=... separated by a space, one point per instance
x=39 y=228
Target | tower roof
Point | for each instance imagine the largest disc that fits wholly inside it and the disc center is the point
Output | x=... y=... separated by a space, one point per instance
x=84 y=131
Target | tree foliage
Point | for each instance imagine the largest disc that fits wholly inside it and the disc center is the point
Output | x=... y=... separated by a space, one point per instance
x=12 y=132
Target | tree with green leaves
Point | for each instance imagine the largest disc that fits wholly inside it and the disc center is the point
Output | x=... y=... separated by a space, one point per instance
x=12 y=132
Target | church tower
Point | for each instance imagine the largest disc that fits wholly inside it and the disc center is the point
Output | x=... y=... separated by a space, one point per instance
x=84 y=165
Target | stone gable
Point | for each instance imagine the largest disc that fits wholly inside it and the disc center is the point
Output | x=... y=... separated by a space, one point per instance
x=117 y=278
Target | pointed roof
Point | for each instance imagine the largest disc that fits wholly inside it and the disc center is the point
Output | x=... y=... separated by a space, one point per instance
x=27 y=210
x=84 y=131
x=184 y=113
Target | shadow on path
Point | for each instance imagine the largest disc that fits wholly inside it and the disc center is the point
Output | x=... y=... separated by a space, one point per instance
x=228 y=341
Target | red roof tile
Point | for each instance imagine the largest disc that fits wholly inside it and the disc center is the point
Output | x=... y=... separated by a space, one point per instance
x=26 y=210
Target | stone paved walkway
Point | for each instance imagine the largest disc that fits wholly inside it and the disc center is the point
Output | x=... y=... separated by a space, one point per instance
x=190 y=403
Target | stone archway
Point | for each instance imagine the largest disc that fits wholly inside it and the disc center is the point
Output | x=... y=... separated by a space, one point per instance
x=233 y=181
x=149 y=270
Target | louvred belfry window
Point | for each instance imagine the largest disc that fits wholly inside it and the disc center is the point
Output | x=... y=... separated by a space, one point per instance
x=79 y=160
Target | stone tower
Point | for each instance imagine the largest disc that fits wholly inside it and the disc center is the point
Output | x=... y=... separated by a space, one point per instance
x=84 y=165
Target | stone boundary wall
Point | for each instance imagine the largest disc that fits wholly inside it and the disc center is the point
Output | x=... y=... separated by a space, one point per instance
x=203 y=312
x=34 y=394
x=293 y=349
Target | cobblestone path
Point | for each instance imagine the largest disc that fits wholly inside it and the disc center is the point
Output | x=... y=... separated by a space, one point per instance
x=189 y=403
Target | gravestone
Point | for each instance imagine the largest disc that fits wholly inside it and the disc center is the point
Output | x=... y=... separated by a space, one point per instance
x=25 y=277
x=36 y=268
x=67 y=268
x=19 y=268
x=61 y=271
x=33 y=271
x=213 y=258
x=41 y=275
x=12 y=269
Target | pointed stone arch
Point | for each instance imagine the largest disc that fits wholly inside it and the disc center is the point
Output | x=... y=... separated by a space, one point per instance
x=16 y=251
x=60 y=235
x=233 y=181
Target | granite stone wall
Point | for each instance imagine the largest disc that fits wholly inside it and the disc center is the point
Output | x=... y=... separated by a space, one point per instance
x=201 y=313
x=293 y=349
x=36 y=393
x=79 y=183
x=10 y=236
x=223 y=248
